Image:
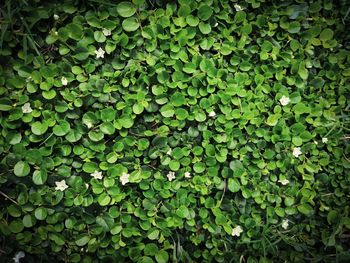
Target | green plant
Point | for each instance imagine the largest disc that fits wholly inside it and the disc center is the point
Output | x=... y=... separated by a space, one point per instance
x=188 y=131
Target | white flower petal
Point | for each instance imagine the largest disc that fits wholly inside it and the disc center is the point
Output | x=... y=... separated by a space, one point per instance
x=285 y=224
x=18 y=256
x=324 y=140
x=171 y=176
x=238 y=7
x=284 y=100
x=100 y=53
x=97 y=175
x=26 y=108
x=61 y=185
x=56 y=17
x=187 y=175
x=237 y=231
x=284 y=181
x=297 y=152
x=106 y=32
x=64 y=81
x=124 y=179
x=212 y=114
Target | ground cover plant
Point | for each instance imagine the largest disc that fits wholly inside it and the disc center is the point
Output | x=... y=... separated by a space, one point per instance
x=174 y=131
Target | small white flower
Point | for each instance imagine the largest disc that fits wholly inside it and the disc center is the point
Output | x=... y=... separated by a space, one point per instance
x=212 y=114
x=297 y=152
x=64 y=81
x=237 y=231
x=187 y=175
x=216 y=24
x=56 y=33
x=26 y=108
x=100 y=53
x=171 y=176
x=56 y=17
x=18 y=256
x=284 y=100
x=324 y=140
x=238 y=7
x=169 y=151
x=89 y=125
x=283 y=181
x=61 y=185
x=106 y=32
x=124 y=178
x=97 y=175
x=285 y=224
x=315 y=142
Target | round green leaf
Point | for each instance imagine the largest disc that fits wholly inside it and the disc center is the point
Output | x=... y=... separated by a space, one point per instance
x=130 y=24
x=137 y=108
x=305 y=209
x=126 y=9
x=15 y=138
x=177 y=99
x=326 y=34
x=99 y=37
x=181 y=114
x=107 y=128
x=126 y=122
x=16 y=226
x=49 y=94
x=81 y=53
x=75 y=31
x=200 y=117
x=62 y=128
x=233 y=185
x=90 y=167
x=297 y=141
x=204 y=28
x=182 y=211
x=5 y=104
x=82 y=240
x=39 y=177
x=174 y=165
x=151 y=249
x=199 y=167
x=39 y=128
x=73 y=136
x=40 y=213
x=167 y=111
x=294 y=27
x=153 y=234
x=108 y=114
x=205 y=12
x=21 y=169
x=95 y=136
x=184 y=11
x=28 y=221
x=162 y=256
x=273 y=119
x=103 y=199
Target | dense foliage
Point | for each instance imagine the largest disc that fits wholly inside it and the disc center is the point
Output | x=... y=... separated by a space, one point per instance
x=175 y=131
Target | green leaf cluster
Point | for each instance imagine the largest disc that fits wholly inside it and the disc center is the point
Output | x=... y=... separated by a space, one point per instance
x=171 y=125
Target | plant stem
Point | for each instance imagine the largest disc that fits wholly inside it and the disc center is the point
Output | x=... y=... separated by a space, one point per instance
x=6 y=196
